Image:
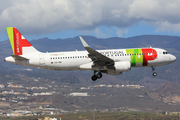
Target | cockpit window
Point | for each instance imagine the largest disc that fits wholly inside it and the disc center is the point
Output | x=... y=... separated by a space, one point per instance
x=165 y=53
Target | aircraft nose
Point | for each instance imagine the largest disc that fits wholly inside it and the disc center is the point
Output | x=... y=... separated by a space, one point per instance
x=173 y=58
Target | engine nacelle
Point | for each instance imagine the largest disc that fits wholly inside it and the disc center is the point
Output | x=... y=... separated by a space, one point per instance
x=87 y=66
x=122 y=66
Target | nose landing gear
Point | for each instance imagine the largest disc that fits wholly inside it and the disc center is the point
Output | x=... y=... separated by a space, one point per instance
x=153 y=69
x=154 y=74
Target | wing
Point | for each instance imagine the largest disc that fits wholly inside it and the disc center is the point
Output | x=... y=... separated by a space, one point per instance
x=96 y=57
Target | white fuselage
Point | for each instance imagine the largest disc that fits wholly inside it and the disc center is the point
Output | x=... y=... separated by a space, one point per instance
x=111 y=62
x=65 y=61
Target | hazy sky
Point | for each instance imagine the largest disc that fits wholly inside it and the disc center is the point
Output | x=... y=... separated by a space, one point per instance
x=100 y=18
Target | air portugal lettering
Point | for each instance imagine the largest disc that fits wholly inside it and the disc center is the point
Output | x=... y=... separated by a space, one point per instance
x=19 y=42
x=137 y=58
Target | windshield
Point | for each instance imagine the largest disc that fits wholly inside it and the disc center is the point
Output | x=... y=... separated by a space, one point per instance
x=165 y=53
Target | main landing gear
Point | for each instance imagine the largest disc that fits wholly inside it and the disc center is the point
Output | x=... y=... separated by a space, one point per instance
x=96 y=76
x=153 y=69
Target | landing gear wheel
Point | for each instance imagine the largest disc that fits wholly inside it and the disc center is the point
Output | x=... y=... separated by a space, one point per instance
x=99 y=75
x=154 y=74
x=153 y=69
x=94 y=78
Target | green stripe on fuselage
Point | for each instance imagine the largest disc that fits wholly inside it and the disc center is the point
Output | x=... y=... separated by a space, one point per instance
x=136 y=56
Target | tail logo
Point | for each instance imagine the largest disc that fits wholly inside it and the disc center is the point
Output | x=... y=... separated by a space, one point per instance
x=17 y=41
x=17 y=44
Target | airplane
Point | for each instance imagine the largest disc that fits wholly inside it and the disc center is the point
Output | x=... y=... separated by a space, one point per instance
x=111 y=61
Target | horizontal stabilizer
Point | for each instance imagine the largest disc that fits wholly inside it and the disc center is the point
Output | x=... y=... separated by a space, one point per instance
x=17 y=57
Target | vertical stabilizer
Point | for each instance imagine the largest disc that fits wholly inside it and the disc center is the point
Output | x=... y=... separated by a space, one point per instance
x=19 y=44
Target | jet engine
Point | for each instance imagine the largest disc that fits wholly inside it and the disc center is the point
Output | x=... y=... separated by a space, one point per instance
x=119 y=68
x=122 y=66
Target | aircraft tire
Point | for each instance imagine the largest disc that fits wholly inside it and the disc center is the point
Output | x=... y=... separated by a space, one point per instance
x=154 y=74
x=99 y=75
x=94 y=78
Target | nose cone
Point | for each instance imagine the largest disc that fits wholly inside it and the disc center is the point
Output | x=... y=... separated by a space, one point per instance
x=173 y=58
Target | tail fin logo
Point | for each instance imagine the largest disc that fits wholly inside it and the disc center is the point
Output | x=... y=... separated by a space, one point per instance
x=17 y=48
x=17 y=41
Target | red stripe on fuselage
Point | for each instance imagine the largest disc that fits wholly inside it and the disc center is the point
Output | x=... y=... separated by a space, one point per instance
x=147 y=57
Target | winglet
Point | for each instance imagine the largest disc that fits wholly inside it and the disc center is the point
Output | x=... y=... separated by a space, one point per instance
x=93 y=54
x=83 y=42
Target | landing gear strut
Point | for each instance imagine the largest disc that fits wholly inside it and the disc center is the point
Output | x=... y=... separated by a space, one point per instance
x=96 y=76
x=153 y=69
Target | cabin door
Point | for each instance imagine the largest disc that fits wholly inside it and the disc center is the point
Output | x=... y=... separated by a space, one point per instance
x=41 y=60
